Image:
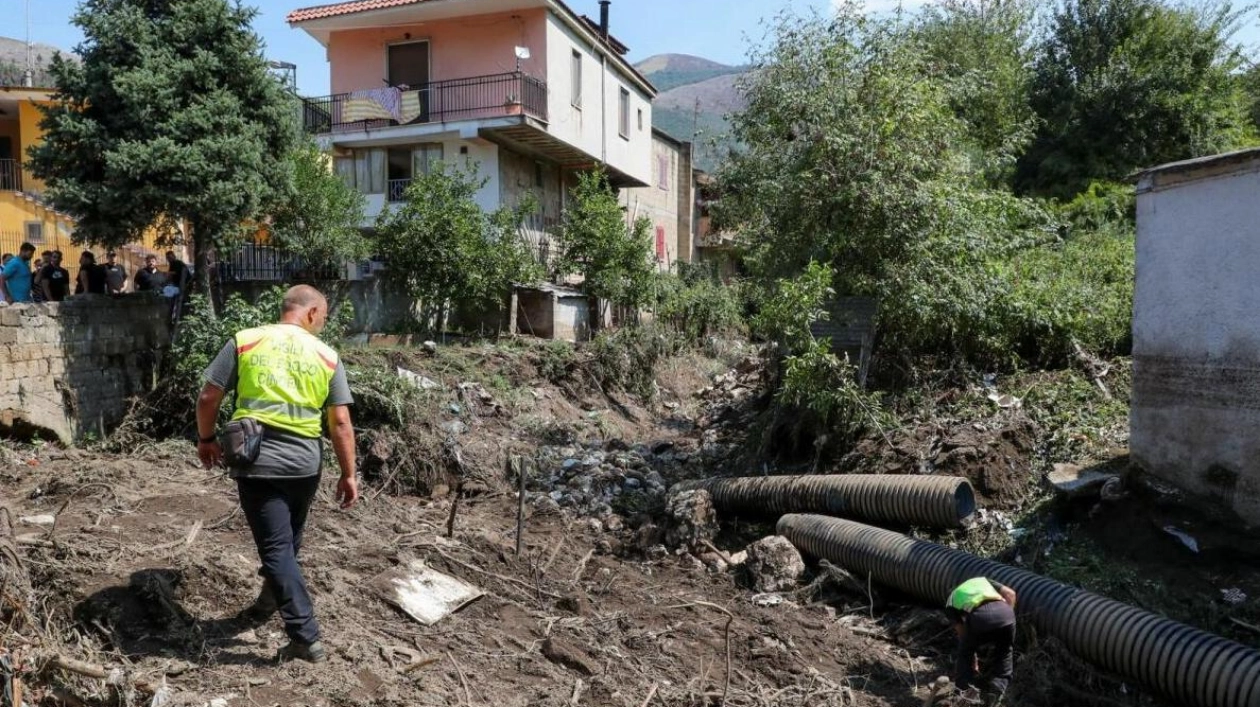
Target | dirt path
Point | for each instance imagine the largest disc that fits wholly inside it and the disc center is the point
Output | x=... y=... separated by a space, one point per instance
x=560 y=625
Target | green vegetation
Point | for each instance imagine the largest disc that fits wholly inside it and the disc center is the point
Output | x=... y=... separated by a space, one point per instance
x=899 y=153
x=696 y=304
x=171 y=116
x=596 y=242
x=1123 y=84
x=319 y=216
x=443 y=248
x=819 y=402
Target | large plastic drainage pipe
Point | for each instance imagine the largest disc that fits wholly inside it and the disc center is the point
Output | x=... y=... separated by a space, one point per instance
x=1193 y=667
x=927 y=501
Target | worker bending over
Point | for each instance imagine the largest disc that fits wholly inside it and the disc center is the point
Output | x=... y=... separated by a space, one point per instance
x=984 y=618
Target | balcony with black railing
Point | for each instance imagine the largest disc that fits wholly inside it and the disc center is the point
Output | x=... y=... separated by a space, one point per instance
x=477 y=97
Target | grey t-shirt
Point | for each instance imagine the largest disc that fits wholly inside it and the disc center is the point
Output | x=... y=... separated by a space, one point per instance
x=283 y=455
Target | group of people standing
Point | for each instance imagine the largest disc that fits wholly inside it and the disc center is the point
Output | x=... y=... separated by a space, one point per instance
x=46 y=280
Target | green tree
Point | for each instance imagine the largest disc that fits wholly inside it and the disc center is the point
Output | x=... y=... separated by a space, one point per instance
x=442 y=247
x=1123 y=84
x=987 y=47
x=595 y=242
x=170 y=116
x=319 y=217
x=855 y=156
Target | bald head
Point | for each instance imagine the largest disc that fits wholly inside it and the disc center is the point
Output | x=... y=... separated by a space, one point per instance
x=306 y=307
x=303 y=297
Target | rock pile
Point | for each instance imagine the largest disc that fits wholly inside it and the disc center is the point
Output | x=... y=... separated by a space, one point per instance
x=596 y=479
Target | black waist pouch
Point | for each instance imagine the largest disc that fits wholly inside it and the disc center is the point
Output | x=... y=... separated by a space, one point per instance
x=241 y=440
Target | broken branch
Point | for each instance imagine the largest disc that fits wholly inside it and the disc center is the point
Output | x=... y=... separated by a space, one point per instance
x=726 y=631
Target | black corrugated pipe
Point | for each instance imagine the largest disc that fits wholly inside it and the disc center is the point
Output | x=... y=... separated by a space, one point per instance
x=1193 y=667
x=928 y=501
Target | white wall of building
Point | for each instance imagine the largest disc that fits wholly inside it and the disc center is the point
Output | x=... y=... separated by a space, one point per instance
x=481 y=155
x=594 y=126
x=1196 y=331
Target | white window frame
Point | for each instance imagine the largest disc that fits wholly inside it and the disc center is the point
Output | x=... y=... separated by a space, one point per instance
x=575 y=75
x=623 y=114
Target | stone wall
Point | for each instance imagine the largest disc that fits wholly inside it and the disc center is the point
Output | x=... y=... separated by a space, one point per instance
x=68 y=369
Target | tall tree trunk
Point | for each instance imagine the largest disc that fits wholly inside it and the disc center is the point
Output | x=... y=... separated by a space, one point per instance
x=203 y=259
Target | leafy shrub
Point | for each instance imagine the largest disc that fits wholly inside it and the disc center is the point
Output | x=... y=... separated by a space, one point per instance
x=1103 y=206
x=556 y=360
x=697 y=304
x=442 y=247
x=1078 y=291
x=819 y=403
x=823 y=386
x=595 y=241
x=626 y=359
x=790 y=309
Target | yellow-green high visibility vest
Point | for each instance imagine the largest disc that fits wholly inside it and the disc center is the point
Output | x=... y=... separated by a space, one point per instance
x=973 y=593
x=283 y=375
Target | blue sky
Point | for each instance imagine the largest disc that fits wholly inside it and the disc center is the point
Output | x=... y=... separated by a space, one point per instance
x=715 y=29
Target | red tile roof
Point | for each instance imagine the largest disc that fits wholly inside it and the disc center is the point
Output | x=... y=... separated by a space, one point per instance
x=346 y=8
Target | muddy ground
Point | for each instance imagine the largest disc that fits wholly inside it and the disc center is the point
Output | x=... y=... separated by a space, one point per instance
x=149 y=562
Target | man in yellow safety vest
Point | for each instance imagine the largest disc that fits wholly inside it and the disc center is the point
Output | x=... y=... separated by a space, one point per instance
x=291 y=382
x=984 y=617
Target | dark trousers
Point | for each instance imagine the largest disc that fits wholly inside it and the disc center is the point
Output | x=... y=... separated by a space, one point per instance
x=989 y=634
x=276 y=510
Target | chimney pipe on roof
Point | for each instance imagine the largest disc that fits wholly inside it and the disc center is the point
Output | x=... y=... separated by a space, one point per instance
x=603 y=17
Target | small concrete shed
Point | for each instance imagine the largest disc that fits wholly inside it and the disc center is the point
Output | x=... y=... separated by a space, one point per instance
x=1195 y=419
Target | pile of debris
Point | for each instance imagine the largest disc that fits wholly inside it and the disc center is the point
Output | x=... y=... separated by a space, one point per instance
x=725 y=409
x=590 y=480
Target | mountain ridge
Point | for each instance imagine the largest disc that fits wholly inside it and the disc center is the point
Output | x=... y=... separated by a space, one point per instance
x=13 y=61
x=696 y=95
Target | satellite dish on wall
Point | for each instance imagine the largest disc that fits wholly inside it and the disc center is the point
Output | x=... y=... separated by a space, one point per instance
x=522 y=53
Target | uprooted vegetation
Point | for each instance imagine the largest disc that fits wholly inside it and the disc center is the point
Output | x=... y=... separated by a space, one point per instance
x=620 y=591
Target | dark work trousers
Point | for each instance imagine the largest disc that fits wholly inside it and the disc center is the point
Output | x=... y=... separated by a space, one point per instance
x=276 y=510
x=989 y=632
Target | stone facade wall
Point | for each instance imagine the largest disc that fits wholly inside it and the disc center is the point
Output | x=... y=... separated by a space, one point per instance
x=666 y=202
x=68 y=369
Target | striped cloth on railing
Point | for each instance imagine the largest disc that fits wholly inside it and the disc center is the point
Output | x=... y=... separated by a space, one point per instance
x=388 y=103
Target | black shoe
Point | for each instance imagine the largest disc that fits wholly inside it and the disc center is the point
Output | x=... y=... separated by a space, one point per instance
x=309 y=652
x=263 y=608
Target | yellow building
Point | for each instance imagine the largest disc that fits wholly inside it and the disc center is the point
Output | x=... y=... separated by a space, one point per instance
x=24 y=214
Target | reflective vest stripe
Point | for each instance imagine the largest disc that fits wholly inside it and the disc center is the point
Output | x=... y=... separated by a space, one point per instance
x=331 y=364
x=300 y=412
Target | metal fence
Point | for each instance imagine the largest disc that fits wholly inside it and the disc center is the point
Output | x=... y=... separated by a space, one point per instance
x=496 y=95
x=261 y=260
